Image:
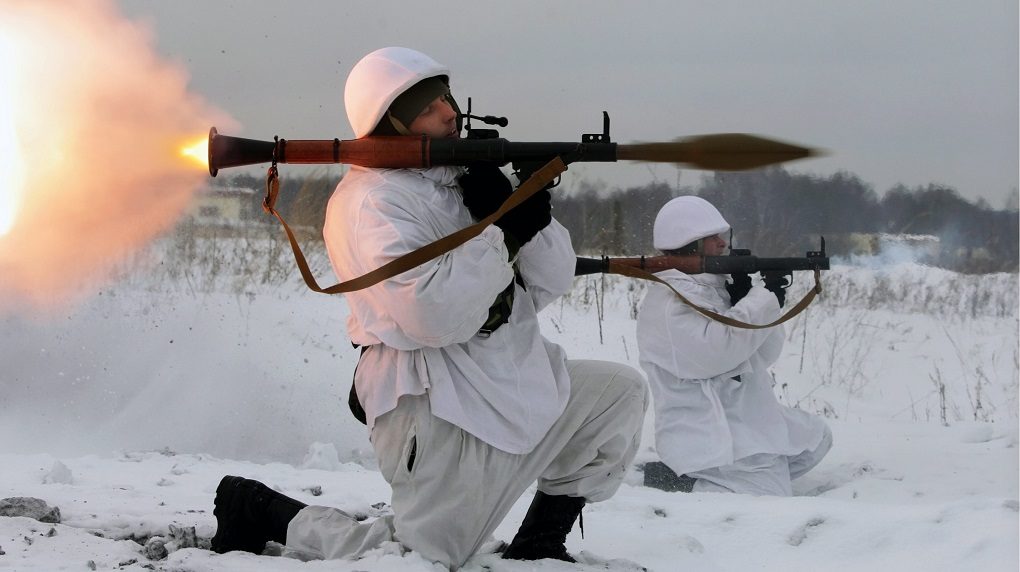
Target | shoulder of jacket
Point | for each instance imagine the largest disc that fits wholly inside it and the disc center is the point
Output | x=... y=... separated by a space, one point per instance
x=699 y=293
x=383 y=185
x=680 y=280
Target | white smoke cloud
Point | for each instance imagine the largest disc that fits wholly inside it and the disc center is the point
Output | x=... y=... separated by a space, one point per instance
x=888 y=250
x=98 y=119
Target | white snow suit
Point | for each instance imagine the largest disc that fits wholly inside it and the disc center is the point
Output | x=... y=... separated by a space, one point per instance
x=463 y=423
x=716 y=416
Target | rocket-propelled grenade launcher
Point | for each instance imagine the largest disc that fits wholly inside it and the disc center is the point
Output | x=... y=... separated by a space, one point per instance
x=739 y=261
x=535 y=164
x=719 y=152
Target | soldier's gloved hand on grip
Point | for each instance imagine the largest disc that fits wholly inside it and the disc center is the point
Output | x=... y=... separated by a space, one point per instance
x=739 y=288
x=776 y=282
x=527 y=218
x=484 y=188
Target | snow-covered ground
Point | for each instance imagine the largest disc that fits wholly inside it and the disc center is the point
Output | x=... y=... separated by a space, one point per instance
x=126 y=409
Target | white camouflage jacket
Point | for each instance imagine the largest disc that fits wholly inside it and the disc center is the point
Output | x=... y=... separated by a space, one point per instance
x=704 y=417
x=422 y=326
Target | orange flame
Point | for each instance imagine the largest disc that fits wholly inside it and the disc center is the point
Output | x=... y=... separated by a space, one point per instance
x=198 y=150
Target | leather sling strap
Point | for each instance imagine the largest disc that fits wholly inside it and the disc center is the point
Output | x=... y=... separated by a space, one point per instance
x=535 y=183
x=798 y=308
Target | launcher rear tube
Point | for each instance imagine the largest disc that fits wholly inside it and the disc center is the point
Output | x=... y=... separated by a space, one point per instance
x=399 y=152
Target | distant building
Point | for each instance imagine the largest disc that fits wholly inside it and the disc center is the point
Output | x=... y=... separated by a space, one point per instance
x=924 y=245
x=224 y=206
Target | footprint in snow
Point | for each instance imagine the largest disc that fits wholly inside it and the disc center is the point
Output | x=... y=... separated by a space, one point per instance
x=801 y=534
x=821 y=483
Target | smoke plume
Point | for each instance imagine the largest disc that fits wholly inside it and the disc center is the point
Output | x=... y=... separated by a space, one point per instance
x=91 y=129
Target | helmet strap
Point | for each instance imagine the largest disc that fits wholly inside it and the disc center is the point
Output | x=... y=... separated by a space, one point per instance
x=397 y=124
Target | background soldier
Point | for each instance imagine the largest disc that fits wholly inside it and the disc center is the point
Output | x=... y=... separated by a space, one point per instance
x=718 y=425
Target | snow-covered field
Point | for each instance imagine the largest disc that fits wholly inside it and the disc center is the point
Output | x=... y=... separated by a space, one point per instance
x=126 y=409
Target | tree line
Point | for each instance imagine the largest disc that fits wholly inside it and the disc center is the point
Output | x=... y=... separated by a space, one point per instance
x=775 y=212
x=772 y=211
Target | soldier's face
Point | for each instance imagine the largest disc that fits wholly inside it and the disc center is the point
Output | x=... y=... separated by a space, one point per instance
x=713 y=245
x=438 y=119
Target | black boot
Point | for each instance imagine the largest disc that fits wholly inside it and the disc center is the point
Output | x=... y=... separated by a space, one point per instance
x=249 y=514
x=545 y=528
x=659 y=476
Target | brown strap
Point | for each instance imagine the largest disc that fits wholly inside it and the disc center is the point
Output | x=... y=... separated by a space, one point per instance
x=535 y=183
x=798 y=308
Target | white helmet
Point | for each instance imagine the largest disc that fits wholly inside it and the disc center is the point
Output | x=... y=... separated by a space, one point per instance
x=683 y=220
x=379 y=78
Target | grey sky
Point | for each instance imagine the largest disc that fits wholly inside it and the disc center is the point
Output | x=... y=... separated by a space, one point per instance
x=910 y=91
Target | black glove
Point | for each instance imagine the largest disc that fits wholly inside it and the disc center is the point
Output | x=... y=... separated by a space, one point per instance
x=739 y=288
x=485 y=188
x=527 y=218
x=776 y=282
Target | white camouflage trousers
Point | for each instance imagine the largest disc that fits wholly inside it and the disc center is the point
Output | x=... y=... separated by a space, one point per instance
x=761 y=474
x=457 y=489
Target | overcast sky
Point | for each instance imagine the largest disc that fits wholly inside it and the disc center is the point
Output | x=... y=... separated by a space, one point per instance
x=898 y=91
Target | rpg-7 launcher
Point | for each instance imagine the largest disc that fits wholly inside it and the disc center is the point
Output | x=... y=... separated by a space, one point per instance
x=718 y=152
x=739 y=261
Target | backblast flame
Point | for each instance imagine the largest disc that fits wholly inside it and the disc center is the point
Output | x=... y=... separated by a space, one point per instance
x=91 y=125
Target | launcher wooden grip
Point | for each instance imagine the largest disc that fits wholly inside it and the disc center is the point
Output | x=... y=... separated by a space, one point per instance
x=377 y=152
x=693 y=264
